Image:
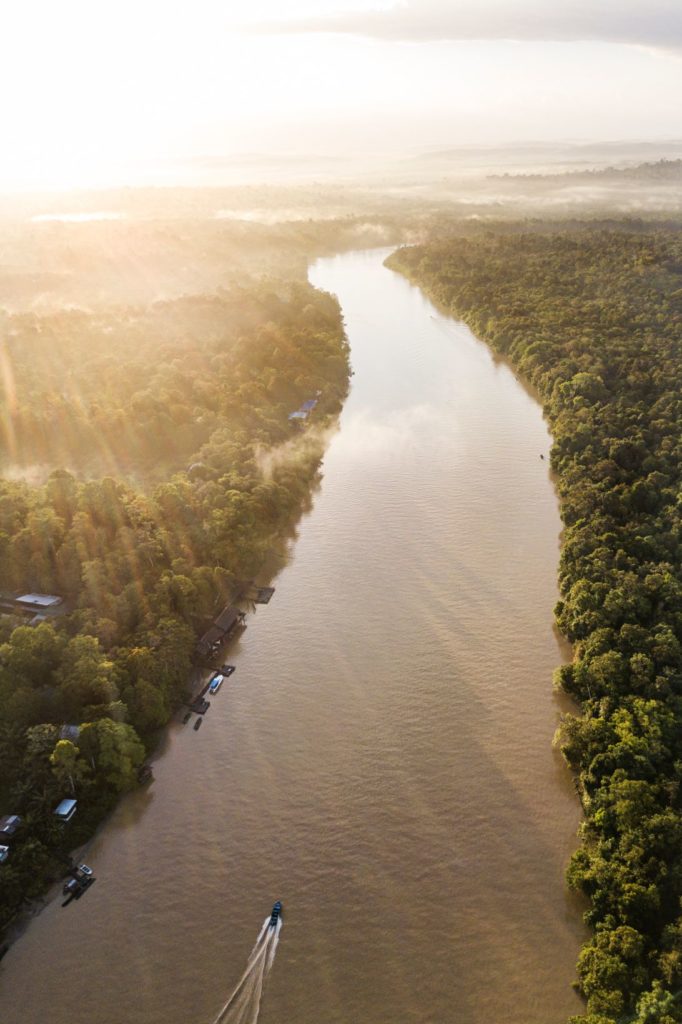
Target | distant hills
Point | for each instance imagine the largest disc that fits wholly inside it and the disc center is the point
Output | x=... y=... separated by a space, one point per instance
x=661 y=172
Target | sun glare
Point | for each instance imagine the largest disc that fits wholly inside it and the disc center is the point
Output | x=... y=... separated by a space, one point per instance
x=107 y=94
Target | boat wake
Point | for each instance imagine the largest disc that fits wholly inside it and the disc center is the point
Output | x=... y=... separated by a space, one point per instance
x=243 y=1006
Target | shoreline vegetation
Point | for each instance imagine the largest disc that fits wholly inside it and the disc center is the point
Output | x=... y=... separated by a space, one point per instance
x=592 y=318
x=185 y=472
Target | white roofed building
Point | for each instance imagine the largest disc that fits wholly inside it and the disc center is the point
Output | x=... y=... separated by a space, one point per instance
x=38 y=601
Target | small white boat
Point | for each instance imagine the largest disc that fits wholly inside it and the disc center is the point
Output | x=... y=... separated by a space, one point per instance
x=215 y=683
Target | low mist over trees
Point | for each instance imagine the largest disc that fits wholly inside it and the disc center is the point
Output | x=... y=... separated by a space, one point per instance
x=593 y=319
x=148 y=245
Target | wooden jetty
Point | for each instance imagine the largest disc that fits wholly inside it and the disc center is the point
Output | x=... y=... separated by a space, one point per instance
x=83 y=886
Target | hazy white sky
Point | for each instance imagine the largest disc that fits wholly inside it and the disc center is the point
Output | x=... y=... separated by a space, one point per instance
x=93 y=90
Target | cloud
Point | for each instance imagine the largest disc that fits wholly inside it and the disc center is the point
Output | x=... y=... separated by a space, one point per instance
x=656 y=24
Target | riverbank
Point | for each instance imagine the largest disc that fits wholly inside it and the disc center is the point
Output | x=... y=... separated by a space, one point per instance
x=82 y=700
x=591 y=318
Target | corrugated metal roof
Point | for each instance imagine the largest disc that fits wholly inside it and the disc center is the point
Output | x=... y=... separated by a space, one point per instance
x=227 y=618
x=65 y=809
x=39 y=600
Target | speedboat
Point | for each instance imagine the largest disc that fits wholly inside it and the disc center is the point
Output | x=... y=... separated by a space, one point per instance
x=276 y=911
x=215 y=683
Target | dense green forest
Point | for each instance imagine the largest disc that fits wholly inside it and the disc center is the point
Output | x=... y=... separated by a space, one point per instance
x=593 y=319
x=148 y=466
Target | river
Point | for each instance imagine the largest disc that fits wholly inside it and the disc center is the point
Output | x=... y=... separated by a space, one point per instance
x=381 y=760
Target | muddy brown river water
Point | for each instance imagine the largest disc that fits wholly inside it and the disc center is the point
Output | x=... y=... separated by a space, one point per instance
x=381 y=760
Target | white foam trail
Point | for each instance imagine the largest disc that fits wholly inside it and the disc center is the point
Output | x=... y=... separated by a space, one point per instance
x=257 y=991
x=274 y=942
x=263 y=930
x=243 y=1005
x=256 y=953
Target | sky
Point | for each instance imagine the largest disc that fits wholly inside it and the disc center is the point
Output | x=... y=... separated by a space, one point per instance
x=100 y=91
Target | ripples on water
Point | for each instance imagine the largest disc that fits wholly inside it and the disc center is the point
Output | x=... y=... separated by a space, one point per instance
x=382 y=757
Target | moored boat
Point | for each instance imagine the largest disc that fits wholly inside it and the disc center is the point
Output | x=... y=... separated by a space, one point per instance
x=215 y=683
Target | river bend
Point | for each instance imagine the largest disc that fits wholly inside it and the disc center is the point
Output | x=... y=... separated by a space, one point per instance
x=381 y=760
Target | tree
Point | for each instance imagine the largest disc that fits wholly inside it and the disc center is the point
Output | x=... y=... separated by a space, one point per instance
x=85 y=676
x=656 y=1007
x=32 y=654
x=147 y=706
x=67 y=764
x=115 y=751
